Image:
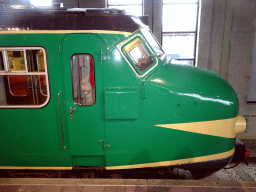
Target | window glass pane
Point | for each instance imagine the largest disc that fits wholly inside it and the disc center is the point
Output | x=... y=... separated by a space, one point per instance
x=184 y=62
x=83 y=82
x=179 y=45
x=18 y=85
x=124 y=2
x=152 y=41
x=23 y=90
x=1 y=61
x=41 y=3
x=179 y=17
x=139 y=54
x=136 y=54
x=35 y=60
x=180 y=1
x=130 y=9
x=16 y=60
x=42 y=84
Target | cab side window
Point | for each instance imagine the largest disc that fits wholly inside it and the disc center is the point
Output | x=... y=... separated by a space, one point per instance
x=139 y=54
x=83 y=79
x=23 y=78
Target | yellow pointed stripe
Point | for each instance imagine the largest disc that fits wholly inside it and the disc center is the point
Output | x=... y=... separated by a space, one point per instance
x=227 y=128
x=177 y=162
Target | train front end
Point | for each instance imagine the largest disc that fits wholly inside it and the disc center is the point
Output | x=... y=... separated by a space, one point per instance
x=201 y=109
x=191 y=113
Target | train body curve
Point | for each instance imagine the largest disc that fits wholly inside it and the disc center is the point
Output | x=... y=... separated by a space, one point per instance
x=92 y=87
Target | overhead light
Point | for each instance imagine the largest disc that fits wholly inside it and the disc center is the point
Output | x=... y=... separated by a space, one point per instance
x=19 y=6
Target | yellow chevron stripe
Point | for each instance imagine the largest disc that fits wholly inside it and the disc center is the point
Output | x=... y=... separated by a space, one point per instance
x=177 y=162
x=227 y=128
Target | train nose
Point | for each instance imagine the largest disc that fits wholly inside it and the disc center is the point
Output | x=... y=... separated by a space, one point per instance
x=195 y=95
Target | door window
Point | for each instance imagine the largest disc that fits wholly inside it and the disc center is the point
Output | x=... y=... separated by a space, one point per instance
x=83 y=79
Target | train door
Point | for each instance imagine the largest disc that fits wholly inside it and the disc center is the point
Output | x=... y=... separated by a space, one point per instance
x=83 y=98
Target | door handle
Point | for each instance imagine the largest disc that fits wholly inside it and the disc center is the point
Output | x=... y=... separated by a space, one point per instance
x=71 y=112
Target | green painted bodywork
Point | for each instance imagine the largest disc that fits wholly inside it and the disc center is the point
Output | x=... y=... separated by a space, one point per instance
x=125 y=134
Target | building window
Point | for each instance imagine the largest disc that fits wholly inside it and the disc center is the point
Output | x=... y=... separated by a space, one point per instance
x=83 y=79
x=131 y=7
x=41 y=3
x=179 y=34
x=23 y=78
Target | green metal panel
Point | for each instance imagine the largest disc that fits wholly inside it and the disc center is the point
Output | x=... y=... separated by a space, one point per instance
x=121 y=104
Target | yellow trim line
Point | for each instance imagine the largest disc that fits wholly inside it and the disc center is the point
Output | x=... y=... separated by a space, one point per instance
x=36 y=168
x=177 y=162
x=227 y=128
x=64 y=31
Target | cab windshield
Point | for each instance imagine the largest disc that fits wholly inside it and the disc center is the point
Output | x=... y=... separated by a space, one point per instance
x=152 y=41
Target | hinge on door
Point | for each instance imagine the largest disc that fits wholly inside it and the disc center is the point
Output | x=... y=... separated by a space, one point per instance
x=103 y=57
x=104 y=145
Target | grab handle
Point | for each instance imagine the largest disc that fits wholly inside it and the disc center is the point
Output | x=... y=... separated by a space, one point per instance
x=63 y=145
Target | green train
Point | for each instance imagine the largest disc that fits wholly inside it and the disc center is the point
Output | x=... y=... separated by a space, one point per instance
x=93 y=88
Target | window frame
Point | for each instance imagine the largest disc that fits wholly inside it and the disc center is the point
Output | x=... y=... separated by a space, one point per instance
x=194 y=60
x=8 y=72
x=129 y=60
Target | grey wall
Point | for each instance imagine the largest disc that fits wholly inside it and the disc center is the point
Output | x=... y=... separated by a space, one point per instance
x=226 y=45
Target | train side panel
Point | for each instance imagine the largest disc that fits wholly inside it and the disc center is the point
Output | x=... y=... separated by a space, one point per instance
x=32 y=137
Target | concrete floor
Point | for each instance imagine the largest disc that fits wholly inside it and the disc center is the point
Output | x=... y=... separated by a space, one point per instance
x=131 y=185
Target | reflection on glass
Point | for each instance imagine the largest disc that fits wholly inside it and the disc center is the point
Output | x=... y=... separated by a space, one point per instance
x=152 y=41
x=179 y=45
x=179 y=17
x=16 y=60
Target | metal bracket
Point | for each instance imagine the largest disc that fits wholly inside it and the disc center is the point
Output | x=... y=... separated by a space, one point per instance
x=104 y=145
x=102 y=56
x=71 y=112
